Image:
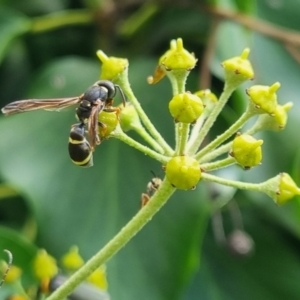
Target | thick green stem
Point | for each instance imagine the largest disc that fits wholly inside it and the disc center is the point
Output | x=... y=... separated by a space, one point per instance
x=118 y=242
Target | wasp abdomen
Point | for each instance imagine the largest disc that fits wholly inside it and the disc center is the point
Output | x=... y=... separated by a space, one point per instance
x=80 y=150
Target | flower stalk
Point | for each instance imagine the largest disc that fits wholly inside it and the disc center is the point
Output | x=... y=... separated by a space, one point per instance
x=118 y=242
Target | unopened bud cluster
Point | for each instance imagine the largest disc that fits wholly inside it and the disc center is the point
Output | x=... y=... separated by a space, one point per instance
x=194 y=113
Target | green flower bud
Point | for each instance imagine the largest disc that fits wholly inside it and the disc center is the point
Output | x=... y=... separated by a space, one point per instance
x=112 y=67
x=183 y=172
x=238 y=69
x=72 y=259
x=264 y=97
x=208 y=98
x=277 y=121
x=287 y=189
x=176 y=59
x=98 y=278
x=186 y=107
x=110 y=120
x=44 y=265
x=246 y=150
x=129 y=118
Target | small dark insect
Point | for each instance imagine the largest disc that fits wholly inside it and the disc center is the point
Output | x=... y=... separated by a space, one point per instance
x=152 y=187
x=99 y=97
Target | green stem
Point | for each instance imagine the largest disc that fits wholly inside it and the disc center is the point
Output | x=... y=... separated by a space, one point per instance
x=118 y=242
x=148 y=138
x=258 y=187
x=215 y=153
x=215 y=112
x=182 y=134
x=178 y=79
x=61 y=19
x=193 y=144
x=228 y=133
x=218 y=164
x=119 y=134
x=123 y=82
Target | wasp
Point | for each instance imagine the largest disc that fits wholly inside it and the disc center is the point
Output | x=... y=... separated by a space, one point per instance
x=99 y=97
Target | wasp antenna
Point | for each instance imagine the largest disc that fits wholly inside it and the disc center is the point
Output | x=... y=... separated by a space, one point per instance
x=10 y=260
x=122 y=94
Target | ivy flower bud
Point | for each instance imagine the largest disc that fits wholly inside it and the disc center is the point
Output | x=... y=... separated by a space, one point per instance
x=183 y=172
x=287 y=189
x=98 y=278
x=44 y=265
x=264 y=97
x=276 y=122
x=246 y=150
x=178 y=57
x=72 y=259
x=129 y=118
x=186 y=107
x=175 y=59
x=208 y=98
x=110 y=120
x=112 y=67
x=238 y=69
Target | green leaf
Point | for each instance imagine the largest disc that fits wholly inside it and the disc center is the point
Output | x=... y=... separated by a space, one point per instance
x=271 y=273
x=12 y=25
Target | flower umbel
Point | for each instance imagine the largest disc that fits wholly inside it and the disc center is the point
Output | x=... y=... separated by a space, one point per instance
x=195 y=154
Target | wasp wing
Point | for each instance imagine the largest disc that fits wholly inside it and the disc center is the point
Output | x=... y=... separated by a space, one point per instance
x=55 y=104
x=93 y=124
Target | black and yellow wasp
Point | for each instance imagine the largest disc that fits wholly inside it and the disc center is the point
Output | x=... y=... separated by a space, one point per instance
x=99 y=97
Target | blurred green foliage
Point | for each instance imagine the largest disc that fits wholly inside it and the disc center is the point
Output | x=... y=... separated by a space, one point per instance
x=47 y=50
